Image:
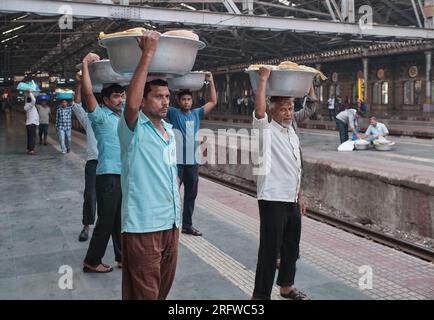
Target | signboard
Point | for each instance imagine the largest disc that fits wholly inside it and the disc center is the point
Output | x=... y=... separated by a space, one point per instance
x=335 y=77
x=413 y=72
x=361 y=89
x=380 y=74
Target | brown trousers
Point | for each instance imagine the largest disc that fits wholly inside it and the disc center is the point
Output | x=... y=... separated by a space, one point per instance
x=149 y=264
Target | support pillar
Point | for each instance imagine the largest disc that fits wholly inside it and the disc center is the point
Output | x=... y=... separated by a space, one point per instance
x=428 y=106
x=366 y=78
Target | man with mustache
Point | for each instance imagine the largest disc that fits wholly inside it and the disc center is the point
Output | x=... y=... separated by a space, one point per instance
x=150 y=204
x=104 y=119
x=279 y=195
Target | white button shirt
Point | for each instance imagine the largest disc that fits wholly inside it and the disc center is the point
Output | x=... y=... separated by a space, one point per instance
x=280 y=150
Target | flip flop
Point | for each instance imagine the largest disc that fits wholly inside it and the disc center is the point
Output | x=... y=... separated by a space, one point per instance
x=192 y=231
x=88 y=269
x=295 y=294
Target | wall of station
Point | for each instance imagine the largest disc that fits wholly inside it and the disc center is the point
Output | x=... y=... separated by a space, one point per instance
x=396 y=83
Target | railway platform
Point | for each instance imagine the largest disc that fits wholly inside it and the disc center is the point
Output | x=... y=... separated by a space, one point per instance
x=40 y=219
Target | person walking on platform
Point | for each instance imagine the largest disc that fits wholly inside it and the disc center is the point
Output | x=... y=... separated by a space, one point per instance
x=64 y=125
x=331 y=106
x=32 y=121
x=151 y=203
x=186 y=122
x=44 y=120
x=347 y=119
x=89 y=195
x=104 y=120
x=278 y=193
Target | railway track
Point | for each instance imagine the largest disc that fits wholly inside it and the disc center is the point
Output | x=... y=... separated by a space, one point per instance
x=399 y=244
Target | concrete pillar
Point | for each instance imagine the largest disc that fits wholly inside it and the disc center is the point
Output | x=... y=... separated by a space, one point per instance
x=428 y=100
x=366 y=77
x=228 y=92
x=318 y=85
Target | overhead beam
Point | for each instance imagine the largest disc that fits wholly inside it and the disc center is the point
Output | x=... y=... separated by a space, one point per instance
x=231 y=6
x=398 y=11
x=147 y=14
x=338 y=12
x=295 y=9
x=416 y=13
x=329 y=7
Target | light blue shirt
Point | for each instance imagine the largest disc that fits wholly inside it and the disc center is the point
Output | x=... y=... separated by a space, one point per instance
x=104 y=124
x=92 y=150
x=380 y=129
x=150 y=193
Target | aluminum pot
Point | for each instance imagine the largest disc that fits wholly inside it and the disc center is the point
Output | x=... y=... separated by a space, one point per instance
x=101 y=72
x=174 y=55
x=191 y=81
x=384 y=147
x=284 y=83
x=359 y=146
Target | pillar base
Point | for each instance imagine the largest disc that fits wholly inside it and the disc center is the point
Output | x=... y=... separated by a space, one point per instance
x=428 y=108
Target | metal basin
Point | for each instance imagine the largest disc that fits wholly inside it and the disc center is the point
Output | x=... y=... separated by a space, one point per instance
x=284 y=83
x=359 y=146
x=101 y=72
x=384 y=147
x=192 y=81
x=174 y=55
x=64 y=95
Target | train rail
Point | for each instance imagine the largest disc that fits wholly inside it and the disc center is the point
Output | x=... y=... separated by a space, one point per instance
x=390 y=241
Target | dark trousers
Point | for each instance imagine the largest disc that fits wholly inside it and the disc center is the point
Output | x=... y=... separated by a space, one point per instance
x=31 y=136
x=280 y=227
x=149 y=264
x=43 y=131
x=89 y=195
x=189 y=176
x=343 y=130
x=332 y=114
x=109 y=198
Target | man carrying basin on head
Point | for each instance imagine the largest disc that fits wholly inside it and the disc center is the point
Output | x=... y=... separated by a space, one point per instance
x=89 y=203
x=150 y=203
x=104 y=120
x=186 y=122
x=279 y=195
x=64 y=125
x=44 y=118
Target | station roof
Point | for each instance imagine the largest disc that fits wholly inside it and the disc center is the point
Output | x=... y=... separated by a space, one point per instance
x=236 y=32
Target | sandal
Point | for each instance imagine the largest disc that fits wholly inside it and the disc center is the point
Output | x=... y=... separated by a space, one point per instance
x=97 y=269
x=295 y=294
x=192 y=231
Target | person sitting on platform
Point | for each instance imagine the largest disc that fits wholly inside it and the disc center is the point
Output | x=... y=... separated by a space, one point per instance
x=376 y=130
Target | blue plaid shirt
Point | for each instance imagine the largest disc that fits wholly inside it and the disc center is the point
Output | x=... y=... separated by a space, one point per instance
x=63 y=118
